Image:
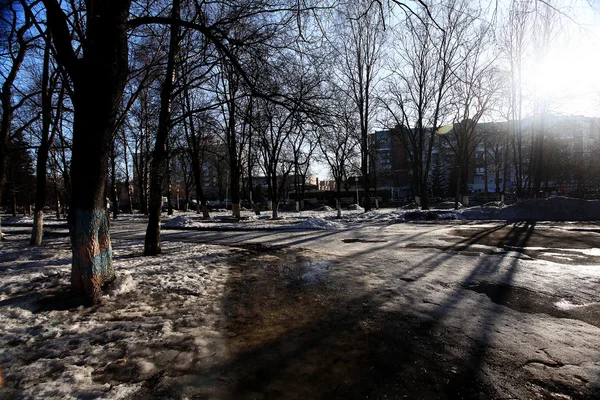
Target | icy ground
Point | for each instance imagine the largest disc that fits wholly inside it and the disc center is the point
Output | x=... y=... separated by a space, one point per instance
x=309 y=306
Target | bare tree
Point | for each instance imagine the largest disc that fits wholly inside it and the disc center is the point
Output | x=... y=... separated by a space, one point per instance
x=361 y=45
x=474 y=91
x=420 y=92
x=338 y=142
x=275 y=126
x=160 y=153
x=102 y=70
x=513 y=41
x=48 y=132
x=17 y=42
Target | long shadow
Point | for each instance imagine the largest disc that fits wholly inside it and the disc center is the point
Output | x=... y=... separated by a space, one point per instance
x=475 y=359
x=396 y=350
x=298 y=338
x=302 y=339
x=429 y=264
x=54 y=299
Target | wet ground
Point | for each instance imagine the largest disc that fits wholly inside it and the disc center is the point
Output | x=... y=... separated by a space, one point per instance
x=415 y=311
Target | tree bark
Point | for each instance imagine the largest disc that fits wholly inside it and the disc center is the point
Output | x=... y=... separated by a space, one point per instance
x=113 y=184
x=42 y=154
x=102 y=72
x=6 y=99
x=159 y=155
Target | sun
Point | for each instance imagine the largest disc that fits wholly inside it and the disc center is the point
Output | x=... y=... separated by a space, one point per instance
x=566 y=77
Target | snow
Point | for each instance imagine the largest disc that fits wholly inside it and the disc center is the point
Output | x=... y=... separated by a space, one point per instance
x=318 y=223
x=54 y=351
x=123 y=284
x=49 y=219
x=50 y=349
x=563 y=304
x=177 y=222
x=355 y=207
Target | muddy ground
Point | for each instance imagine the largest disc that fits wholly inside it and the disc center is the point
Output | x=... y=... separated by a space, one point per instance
x=393 y=311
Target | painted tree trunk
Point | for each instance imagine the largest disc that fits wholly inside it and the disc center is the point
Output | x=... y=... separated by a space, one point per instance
x=92 y=253
x=38 y=227
x=98 y=82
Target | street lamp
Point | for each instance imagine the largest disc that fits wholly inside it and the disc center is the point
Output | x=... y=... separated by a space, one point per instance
x=177 y=191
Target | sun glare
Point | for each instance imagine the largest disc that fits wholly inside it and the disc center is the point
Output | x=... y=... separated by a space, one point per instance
x=566 y=79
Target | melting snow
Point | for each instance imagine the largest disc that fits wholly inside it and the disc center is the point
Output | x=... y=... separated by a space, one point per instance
x=563 y=304
x=318 y=223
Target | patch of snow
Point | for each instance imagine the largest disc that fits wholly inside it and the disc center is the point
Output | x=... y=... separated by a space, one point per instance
x=19 y=220
x=447 y=205
x=563 y=304
x=594 y=251
x=123 y=284
x=177 y=222
x=410 y=206
x=318 y=223
x=355 y=207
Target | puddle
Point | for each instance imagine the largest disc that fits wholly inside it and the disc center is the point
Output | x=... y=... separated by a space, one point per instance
x=297 y=327
x=531 y=302
x=295 y=270
x=463 y=250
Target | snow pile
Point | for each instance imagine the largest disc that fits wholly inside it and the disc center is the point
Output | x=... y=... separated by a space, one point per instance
x=123 y=284
x=19 y=219
x=161 y=311
x=324 y=208
x=566 y=305
x=447 y=205
x=494 y=204
x=318 y=223
x=421 y=215
x=484 y=212
x=355 y=207
x=410 y=206
x=177 y=222
x=554 y=209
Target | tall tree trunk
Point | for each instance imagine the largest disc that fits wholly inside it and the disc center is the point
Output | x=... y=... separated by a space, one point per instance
x=234 y=165
x=103 y=72
x=42 y=155
x=365 y=167
x=113 y=184
x=195 y=143
x=6 y=100
x=159 y=155
x=169 y=194
x=485 y=170
x=5 y=126
x=127 y=180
